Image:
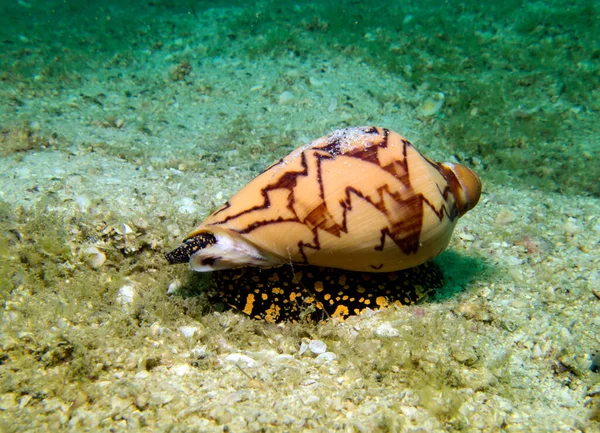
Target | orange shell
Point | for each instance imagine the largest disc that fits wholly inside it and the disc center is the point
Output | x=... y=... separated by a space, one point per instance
x=361 y=199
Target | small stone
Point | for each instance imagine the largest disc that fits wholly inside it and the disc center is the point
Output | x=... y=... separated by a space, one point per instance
x=126 y=295
x=142 y=400
x=156 y=329
x=315 y=82
x=537 y=352
x=466 y=236
x=238 y=358
x=432 y=105
x=317 y=347
x=303 y=348
x=386 y=330
x=160 y=398
x=188 y=331
x=181 y=369
x=199 y=352
x=326 y=357
x=51 y=404
x=142 y=375
x=572 y=226
x=505 y=217
x=286 y=98
x=311 y=399
x=24 y=401
x=464 y=355
x=93 y=257
x=141 y=224
x=187 y=205
x=284 y=358
x=173 y=287
x=409 y=412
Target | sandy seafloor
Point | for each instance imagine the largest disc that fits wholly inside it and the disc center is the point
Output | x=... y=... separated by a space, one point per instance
x=123 y=125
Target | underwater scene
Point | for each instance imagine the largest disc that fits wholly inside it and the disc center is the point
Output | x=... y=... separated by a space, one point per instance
x=300 y=216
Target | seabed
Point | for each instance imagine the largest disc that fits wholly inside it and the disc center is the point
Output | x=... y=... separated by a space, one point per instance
x=123 y=124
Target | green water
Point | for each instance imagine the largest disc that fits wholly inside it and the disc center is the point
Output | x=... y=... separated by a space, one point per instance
x=520 y=79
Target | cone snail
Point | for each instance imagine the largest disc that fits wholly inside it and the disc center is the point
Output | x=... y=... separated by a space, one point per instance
x=359 y=199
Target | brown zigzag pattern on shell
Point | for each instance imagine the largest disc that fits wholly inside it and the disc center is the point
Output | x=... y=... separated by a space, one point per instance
x=321 y=218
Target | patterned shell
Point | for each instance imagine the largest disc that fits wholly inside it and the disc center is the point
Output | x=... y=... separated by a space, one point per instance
x=361 y=199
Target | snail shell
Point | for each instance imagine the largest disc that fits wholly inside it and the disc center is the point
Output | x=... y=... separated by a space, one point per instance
x=361 y=199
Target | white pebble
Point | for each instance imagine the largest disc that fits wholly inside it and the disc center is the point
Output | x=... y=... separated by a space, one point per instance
x=317 y=347
x=303 y=348
x=315 y=82
x=93 y=257
x=199 y=352
x=432 y=105
x=181 y=369
x=126 y=296
x=187 y=205
x=238 y=358
x=571 y=226
x=505 y=216
x=142 y=375
x=311 y=399
x=160 y=398
x=286 y=97
x=141 y=224
x=409 y=412
x=466 y=236
x=565 y=398
x=386 y=330
x=188 y=331
x=174 y=287
x=326 y=357
x=173 y=230
x=156 y=329
x=284 y=358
